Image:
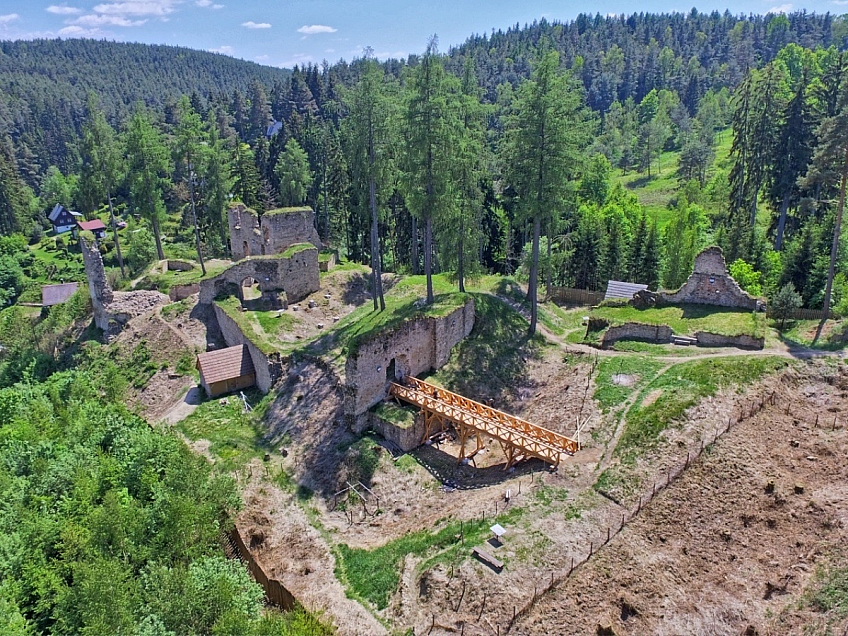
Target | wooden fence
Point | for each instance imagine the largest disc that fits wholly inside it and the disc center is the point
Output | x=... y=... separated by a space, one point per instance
x=802 y=314
x=569 y=296
x=275 y=593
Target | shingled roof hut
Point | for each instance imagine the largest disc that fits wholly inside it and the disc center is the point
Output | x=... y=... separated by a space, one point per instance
x=226 y=370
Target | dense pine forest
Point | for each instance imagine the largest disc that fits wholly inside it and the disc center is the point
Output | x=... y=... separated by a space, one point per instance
x=564 y=154
x=507 y=154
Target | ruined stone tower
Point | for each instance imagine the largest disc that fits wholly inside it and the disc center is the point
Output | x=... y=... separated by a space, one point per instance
x=98 y=285
x=272 y=233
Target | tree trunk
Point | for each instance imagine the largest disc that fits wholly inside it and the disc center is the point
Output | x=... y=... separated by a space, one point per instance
x=414 y=246
x=460 y=269
x=781 y=222
x=194 y=220
x=115 y=234
x=154 y=221
x=549 y=274
x=534 y=274
x=834 y=248
x=376 y=272
x=428 y=259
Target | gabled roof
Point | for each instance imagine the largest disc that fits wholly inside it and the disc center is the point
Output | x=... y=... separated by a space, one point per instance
x=91 y=226
x=618 y=289
x=225 y=364
x=56 y=294
x=57 y=211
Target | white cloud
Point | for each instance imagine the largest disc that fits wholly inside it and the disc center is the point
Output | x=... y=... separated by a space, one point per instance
x=93 y=20
x=75 y=31
x=224 y=50
x=137 y=7
x=256 y=25
x=840 y=2
x=9 y=17
x=783 y=8
x=261 y=58
x=312 y=29
x=207 y=4
x=329 y=50
x=63 y=9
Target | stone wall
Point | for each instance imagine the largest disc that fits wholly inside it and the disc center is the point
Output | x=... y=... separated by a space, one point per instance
x=296 y=275
x=269 y=368
x=744 y=341
x=416 y=346
x=176 y=265
x=636 y=331
x=272 y=233
x=98 y=285
x=710 y=284
x=405 y=438
x=179 y=292
x=112 y=310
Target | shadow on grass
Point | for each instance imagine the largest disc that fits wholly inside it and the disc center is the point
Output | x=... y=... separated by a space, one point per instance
x=355 y=289
x=446 y=469
x=641 y=182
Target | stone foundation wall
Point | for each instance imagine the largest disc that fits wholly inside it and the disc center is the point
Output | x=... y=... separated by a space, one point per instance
x=745 y=341
x=179 y=292
x=636 y=331
x=416 y=346
x=272 y=233
x=296 y=275
x=269 y=369
x=405 y=438
x=710 y=284
x=174 y=265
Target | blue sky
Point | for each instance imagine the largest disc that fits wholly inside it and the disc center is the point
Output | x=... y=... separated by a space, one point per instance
x=287 y=33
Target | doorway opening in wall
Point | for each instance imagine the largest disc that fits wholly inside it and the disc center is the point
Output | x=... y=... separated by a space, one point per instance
x=390 y=372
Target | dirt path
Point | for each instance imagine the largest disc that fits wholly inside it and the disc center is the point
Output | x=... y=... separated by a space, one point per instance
x=183 y=407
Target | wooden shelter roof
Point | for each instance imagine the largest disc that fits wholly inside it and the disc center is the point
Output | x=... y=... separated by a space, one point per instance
x=225 y=364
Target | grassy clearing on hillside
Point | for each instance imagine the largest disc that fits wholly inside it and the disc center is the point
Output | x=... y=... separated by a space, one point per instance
x=493 y=358
x=801 y=332
x=636 y=372
x=687 y=319
x=681 y=387
x=235 y=439
x=374 y=575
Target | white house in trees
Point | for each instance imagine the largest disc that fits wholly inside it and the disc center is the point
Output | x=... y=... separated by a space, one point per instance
x=63 y=219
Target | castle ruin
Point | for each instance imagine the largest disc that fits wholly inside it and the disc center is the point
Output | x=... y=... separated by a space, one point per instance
x=272 y=233
x=711 y=284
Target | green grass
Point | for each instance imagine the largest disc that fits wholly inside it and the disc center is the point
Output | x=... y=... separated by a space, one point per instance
x=165 y=281
x=802 y=332
x=404 y=302
x=493 y=359
x=288 y=210
x=641 y=368
x=828 y=592
x=374 y=575
x=296 y=248
x=681 y=387
x=687 y=319
x=234 y=435
x=402 y=416
x=273 y=322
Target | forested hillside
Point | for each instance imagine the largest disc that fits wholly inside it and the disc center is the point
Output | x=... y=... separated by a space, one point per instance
x=44 y=84
x=603 y=148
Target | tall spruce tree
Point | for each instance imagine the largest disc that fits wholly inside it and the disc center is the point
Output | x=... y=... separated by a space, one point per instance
x=428 y=165
x=188 y=137
x=100 y=166
x=544 y=133
x=369 y=139
x=149 y=166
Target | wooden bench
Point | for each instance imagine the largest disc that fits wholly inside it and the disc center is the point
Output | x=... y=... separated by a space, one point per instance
x=487 y=558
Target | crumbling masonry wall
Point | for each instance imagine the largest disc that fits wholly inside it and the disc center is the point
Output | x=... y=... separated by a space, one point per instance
x=112 y=310
x=416 y=346
x=710 y=284
x=272 y=233
x=297 y=275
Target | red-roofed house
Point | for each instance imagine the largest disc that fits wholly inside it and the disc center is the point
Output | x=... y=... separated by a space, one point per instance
x=226 y=370
x=96 y=227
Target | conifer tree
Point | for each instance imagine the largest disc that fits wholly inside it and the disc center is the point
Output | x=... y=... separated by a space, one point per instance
x=189 y=133
x=148 y=170
x=101 y=163
x=429 y=122
x=545 y=131
x=293 y=171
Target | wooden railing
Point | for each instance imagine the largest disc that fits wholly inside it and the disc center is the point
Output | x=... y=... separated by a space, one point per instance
x=529 y=439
